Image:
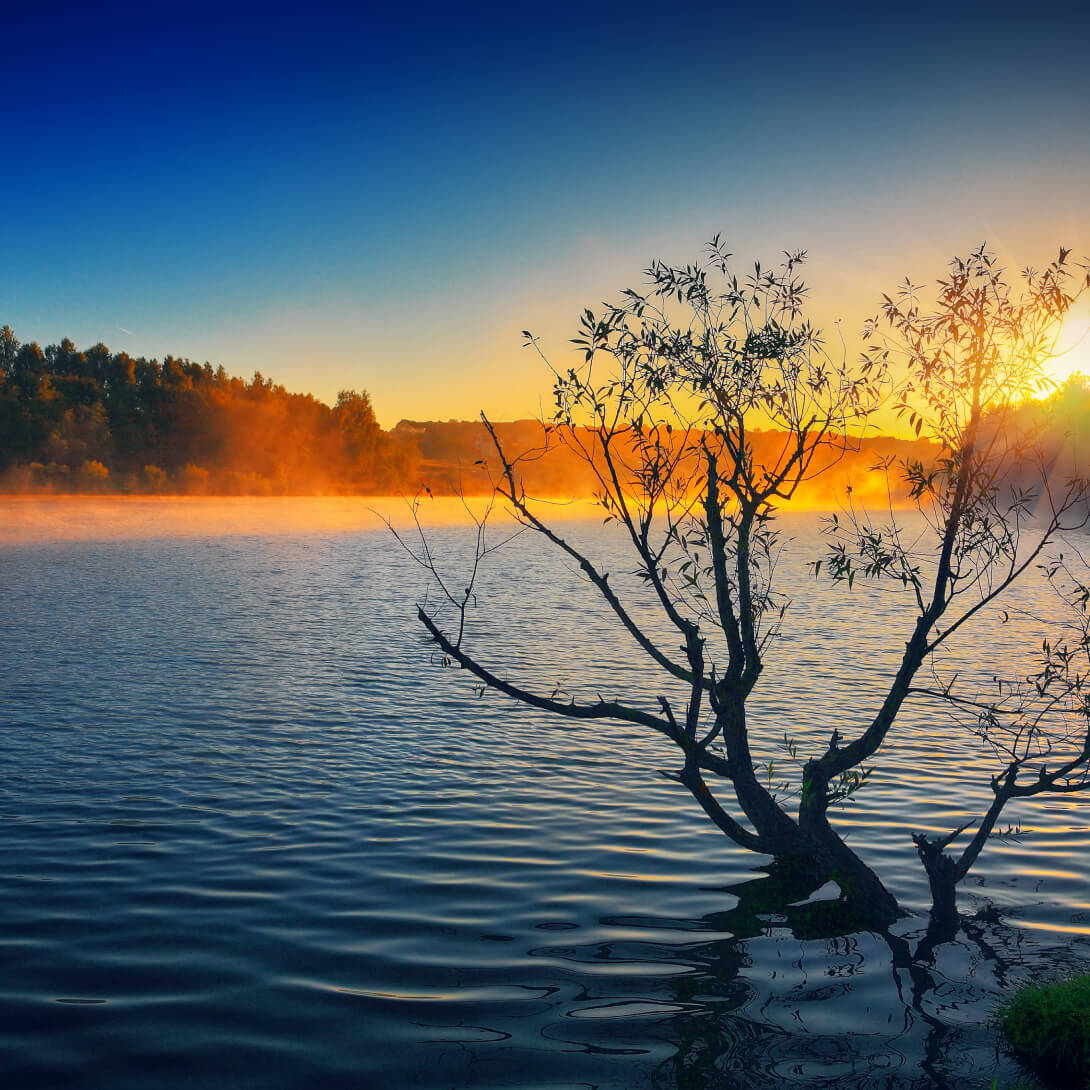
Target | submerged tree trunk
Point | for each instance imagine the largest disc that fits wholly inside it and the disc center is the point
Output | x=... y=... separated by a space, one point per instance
x=811 y=858
x=944 y=871
x=808 y=847
x=942 y=877
x=858 y=883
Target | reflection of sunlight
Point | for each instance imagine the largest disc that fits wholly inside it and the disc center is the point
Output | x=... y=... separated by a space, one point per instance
x=1059 y=929
x=1072 y=349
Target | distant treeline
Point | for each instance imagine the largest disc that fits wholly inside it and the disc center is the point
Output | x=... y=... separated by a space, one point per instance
x=458 y=456
x=96 y=420
x=100 y=421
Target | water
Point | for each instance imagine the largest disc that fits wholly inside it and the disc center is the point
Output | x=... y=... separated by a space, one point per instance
x=256 y=837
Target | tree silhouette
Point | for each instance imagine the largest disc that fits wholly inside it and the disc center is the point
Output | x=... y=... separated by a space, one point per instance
x=995 y=502
x=675 y=385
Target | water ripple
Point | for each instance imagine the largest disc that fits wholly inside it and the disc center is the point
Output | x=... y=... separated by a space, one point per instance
x=254 y=840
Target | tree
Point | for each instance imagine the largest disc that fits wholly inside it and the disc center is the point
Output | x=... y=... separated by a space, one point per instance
x=361 y=436
x=9 y=350
x=675 y=382
x=996 y=500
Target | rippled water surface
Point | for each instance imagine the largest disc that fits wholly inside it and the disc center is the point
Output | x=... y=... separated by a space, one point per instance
x=256 y=837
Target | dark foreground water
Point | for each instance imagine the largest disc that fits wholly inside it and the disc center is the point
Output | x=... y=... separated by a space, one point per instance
x=253 y=837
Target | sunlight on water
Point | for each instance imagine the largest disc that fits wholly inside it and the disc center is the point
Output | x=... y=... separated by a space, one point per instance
x=256 y=837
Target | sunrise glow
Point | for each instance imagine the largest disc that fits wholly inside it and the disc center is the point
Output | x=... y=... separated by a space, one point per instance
x=1072 y=354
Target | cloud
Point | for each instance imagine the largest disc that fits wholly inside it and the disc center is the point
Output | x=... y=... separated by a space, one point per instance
x=128 y=331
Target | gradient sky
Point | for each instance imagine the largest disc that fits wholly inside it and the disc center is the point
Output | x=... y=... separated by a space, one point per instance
x=384 y=199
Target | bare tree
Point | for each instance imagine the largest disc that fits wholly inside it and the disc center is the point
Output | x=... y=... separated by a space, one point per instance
x=672 y=407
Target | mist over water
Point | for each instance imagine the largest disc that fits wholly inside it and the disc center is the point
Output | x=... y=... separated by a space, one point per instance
x=32 y=520
x=257 y=837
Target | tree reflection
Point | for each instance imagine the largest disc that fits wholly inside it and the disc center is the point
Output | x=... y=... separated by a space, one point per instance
x=797 y=995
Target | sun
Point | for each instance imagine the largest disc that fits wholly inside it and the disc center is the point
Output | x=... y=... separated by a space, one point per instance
x=1072 y=352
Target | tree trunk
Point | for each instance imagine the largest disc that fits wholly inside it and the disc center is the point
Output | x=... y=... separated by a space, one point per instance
x=942 y=877
x=858 y=883
x=810 y=852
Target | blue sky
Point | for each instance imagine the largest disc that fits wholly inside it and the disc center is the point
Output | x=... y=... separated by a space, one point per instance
x=383 y=199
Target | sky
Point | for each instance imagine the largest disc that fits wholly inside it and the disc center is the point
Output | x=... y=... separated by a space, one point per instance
x=383 y=199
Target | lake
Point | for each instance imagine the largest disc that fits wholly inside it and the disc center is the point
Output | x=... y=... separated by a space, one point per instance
x=256 y=836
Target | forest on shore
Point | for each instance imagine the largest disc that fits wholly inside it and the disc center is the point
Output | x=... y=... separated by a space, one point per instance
x=104 y=422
